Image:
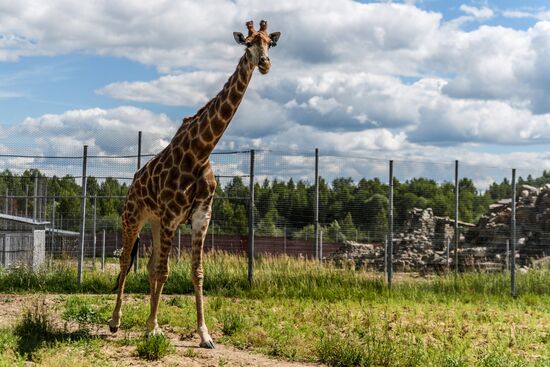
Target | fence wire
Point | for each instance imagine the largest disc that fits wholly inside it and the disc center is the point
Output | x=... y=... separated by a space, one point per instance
x=352 y=221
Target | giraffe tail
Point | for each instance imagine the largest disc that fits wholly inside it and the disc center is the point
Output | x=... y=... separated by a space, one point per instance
x=132 y=256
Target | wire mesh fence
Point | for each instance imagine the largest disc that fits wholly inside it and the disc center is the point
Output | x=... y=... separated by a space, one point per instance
x=436 y=217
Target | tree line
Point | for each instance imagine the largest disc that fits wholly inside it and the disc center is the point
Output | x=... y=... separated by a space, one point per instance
x=347 y=209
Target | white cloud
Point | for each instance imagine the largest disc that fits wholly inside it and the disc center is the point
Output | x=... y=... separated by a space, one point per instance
x=187 y=89
x=478 y=13
x=8 y=94
x=449 y=121
x=112 y=131
x=540 y=14
x=163 y=33
x=346 y=76
x=188 y=34
x=339 y=68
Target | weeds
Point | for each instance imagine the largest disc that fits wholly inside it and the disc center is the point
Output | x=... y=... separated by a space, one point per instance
x=154 y=347
x=8 y=344
x=179 y=302
x=36 y=330
x=80 y=310
x=341 y=351
x=191 y=353
x=232 y=323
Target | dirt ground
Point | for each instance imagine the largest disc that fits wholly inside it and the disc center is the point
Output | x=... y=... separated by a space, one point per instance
x=186 y=352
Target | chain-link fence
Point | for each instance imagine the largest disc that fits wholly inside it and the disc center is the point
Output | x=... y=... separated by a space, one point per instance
x=336 y=208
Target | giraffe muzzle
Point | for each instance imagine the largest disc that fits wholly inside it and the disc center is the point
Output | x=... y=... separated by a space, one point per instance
x=264 y=65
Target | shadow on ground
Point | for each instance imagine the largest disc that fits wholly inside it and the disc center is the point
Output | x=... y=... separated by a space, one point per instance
x=35 y=330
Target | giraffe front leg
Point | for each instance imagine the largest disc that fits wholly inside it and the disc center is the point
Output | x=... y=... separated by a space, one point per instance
x=200 y=220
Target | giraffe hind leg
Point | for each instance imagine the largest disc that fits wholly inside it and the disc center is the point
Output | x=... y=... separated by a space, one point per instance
x=129 y=246
x=132 y=257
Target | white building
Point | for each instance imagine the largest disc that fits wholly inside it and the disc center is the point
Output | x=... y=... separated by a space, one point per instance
x=22 y=242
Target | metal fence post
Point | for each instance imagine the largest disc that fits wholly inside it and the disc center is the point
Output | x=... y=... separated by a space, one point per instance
x=136 y=258
x=95 y=237
x=316 y=205
x=457 y=234
x=507 y=257
x=39 y=200
x=385 y=256
x=447 y=254
x=45 y=198
x=52 y=226
x=35 y=198
x=27 y=201
x=320 y=247
x=82 y=215
x=390 y=228
x=103 y=252
x=251 y=220
x=513 y=233
x=6 y=202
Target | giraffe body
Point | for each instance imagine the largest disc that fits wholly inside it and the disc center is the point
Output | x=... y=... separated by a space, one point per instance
x=178 y=185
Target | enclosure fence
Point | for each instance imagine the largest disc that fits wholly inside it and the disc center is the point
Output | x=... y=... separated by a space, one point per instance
x=385 y=216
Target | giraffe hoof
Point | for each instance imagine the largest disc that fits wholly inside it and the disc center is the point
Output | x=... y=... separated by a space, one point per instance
x=113 y=329
x=155 y=332
x=208 y=345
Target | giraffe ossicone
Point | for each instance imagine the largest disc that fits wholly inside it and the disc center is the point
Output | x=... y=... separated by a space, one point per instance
x=178 y=185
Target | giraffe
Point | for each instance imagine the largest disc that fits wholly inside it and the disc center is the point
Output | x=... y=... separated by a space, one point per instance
x=178 y=185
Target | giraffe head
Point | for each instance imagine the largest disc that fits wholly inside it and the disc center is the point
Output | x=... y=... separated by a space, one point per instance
x=258 y=43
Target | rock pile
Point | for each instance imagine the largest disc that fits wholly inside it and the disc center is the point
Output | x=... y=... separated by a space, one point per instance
x=423 y=230
x=421 y=245
x=532 y=226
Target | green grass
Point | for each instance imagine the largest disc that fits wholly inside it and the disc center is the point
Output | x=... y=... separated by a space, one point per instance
x=35 y=330
x=79 y=310
x=297 y=310
x=342 y=333
x=225 y=275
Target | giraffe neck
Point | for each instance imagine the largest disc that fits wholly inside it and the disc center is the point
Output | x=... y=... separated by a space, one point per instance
x=206 y=127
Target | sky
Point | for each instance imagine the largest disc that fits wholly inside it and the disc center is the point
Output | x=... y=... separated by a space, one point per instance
x=411 y=80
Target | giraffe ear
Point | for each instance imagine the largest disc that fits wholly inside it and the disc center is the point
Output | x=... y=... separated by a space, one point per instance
x=239 y=38
x=274 y=38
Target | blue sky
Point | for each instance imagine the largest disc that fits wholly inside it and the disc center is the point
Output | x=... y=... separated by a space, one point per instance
x=433 y=80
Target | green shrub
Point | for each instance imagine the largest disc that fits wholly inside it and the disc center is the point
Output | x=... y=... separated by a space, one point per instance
x=154 y=347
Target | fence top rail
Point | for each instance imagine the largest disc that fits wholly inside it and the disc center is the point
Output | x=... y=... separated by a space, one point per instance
x=40 y=156
x=147 y=155
x=229 y=152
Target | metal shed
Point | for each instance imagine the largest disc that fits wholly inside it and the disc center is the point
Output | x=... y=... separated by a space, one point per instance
x=22 y=241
